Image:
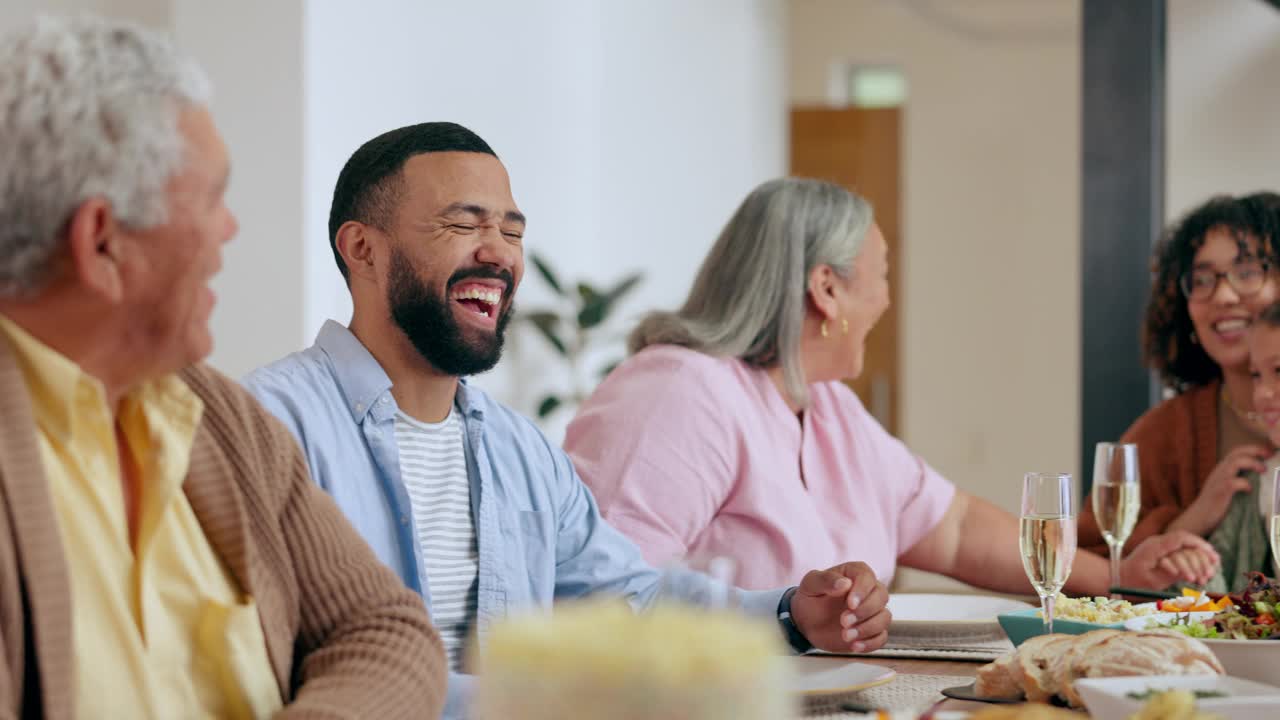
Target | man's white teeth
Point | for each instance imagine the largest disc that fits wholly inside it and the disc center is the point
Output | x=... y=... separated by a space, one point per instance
x=1227 y=326
x=489 y=296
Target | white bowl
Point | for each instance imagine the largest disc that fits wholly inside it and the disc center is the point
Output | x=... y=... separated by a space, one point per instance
x=1108 y=698
x=1250 y=659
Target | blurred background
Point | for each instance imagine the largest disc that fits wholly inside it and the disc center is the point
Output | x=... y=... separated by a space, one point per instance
x=1006 y=144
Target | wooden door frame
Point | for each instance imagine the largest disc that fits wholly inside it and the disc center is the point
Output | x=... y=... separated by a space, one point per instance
x=885 y=194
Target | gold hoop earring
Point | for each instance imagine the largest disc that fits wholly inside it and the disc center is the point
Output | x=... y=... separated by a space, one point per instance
x=844 y=326
x=823 y=328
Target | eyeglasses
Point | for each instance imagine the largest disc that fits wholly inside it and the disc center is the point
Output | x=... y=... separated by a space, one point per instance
x=1245 y=277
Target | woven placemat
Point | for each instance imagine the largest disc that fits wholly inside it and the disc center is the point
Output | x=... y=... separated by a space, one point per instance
x=971 y=651
x=905 y=693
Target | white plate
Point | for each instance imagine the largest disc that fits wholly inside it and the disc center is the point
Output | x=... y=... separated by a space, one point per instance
x=952 y=617
x=1250 y=659
x=1107 y=698
x=818 y=675
x=1153 y=622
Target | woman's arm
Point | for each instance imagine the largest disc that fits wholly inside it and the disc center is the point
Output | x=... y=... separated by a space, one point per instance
x=977 y=543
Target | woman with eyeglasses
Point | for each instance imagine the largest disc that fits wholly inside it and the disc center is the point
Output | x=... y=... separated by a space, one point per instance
x=1201 y=451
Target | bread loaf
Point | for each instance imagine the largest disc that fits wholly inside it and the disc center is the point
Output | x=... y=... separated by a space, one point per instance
x=1066 y=667
x=999 y=679
x=1146 y=653
x=1047 y=666
x=1038 y=681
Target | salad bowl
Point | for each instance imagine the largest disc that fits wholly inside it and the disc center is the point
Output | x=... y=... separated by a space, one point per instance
x=1245 y=637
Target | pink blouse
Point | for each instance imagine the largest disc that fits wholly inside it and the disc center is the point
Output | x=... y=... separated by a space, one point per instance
x=696 y=456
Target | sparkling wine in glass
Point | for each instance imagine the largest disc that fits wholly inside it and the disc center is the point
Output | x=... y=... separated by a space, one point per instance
x=715 y=590
x=1116 y=497
x=1275 y=521
x=1048 y=540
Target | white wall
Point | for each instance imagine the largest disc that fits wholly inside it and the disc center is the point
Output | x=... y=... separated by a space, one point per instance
x=154 y=13
x=253 y=54
x=1223 y=100
x=630 y=129
x=990 y=206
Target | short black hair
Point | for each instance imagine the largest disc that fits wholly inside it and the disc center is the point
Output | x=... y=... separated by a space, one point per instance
x=369 y=186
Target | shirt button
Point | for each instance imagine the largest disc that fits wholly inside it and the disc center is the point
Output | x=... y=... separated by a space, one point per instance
x=359 y=407
x=404 y=519
x=384 y=401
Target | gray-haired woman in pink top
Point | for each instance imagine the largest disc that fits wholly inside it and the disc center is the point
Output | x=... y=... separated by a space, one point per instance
x=730 y=433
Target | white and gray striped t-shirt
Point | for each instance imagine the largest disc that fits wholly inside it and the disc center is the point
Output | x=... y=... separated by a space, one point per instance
x=433 y=466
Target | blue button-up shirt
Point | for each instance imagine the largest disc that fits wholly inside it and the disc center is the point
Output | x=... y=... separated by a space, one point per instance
x=539 y=531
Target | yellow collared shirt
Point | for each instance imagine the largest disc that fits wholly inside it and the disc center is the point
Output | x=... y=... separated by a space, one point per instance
x=165 y=632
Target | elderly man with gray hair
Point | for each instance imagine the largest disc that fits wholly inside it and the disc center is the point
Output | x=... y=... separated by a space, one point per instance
x=163 y=552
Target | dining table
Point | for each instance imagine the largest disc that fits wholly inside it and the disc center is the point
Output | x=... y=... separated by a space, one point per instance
x=916 y=682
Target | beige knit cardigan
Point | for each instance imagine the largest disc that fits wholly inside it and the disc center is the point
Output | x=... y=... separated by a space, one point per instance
x=346 y=639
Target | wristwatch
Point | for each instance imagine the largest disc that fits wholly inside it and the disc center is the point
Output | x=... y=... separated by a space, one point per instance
x=795 y=638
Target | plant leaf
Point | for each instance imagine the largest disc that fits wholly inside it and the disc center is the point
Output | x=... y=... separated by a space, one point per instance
x=546 y=322
x=625 y=286
x=548 y=405
x=588 y=294
x=595 y=306
x=547 y=273
x=609 y=368
x=593 y=313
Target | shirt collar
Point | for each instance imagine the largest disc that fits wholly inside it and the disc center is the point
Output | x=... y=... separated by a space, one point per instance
x=469 y=400
x=61 y=390
x=54 y=382
x=364 y=382
x=359 y=375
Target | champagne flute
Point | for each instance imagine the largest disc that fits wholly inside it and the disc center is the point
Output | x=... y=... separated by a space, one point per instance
x=1048 y=538
x=716 y=589
x=1116 y=498
x=1275 y=522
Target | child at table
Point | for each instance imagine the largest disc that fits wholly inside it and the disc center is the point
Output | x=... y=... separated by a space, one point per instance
x=1252 y=510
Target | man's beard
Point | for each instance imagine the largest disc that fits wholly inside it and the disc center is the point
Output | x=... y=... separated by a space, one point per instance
x=426 y=318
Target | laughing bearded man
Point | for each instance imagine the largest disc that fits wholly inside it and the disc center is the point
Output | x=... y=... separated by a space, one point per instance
x=461 y=496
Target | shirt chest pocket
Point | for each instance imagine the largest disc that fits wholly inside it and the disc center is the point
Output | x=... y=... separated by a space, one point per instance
x=233 y=656
x=531 y=552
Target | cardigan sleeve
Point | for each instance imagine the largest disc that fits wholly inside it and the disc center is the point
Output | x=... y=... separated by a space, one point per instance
x=359 y=643
x=9 y=698
x=366 y=646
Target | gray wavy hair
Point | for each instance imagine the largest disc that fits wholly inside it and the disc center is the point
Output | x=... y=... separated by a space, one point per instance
x=88 y=108
x=749 y=298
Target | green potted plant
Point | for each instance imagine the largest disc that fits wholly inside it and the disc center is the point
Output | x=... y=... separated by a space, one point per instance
x=572 y=327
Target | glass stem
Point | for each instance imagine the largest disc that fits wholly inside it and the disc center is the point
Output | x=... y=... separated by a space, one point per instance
x=1116 y=549
x=1046 y=603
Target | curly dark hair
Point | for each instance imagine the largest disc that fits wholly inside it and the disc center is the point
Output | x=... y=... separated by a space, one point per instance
x=1167 y=330
x=1264 y=216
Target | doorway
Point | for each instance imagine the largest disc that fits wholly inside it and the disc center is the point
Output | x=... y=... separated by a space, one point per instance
x=859 y=148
